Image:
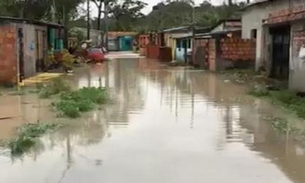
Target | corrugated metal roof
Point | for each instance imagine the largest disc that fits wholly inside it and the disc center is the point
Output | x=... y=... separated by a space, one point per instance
x=182 y=28
x=35 y=22
x=179 y=36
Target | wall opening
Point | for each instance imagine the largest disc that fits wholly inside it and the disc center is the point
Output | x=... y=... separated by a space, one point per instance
x=280 y=55
x=253 y=33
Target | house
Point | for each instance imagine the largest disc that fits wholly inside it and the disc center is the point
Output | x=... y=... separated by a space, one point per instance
x=180 y=40
x=279 y=30
x=222 y=47
x=120 y=41
x=23 y=47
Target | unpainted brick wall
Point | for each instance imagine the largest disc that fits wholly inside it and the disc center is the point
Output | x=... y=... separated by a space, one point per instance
x=8 y=58
x=295 y=12
x=212 y=55
x=237 y=49
x=200 y=43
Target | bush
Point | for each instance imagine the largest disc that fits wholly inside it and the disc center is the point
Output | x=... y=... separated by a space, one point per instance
x=73 y=103
x=27 y=135
x=67 y=59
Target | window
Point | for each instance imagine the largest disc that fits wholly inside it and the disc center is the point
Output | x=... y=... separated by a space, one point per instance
x=253 y=33
x=189 y=43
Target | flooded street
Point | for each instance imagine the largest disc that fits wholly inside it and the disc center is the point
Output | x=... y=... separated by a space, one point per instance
x=164 y=125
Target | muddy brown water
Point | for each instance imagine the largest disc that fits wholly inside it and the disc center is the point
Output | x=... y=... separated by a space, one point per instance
x=164 y=125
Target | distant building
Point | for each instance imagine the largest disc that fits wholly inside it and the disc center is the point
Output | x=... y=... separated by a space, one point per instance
x=23 y=47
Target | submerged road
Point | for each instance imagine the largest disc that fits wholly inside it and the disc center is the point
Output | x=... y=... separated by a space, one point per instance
x=164 y=125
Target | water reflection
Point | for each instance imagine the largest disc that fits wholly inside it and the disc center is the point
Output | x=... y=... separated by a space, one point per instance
x=163 y=125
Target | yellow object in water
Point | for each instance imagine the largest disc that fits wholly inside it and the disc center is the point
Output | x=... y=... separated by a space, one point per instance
x=40 y=78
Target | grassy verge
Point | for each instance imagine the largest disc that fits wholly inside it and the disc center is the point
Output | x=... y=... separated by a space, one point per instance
x=73 y=103
x=27 y=136
x=287 y=99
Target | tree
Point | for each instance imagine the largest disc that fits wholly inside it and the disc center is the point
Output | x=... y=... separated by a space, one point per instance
x=99 y=6
x=127 y=13
x=38 y=9
x=164 y=15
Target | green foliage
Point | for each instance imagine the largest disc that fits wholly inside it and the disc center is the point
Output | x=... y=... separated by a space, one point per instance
x=127 y=13
x=280 y=124
x=80 y=35
x=38 y=9
x=164 y=15
x=27 y=135
x=259 y=91
x=73 y=103
x=290 y=101
x=285 y=98
x=67 y=59
x=57 y=86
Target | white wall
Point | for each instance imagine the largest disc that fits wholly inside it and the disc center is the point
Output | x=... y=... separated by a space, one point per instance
x=297 y=66
x=252 y=18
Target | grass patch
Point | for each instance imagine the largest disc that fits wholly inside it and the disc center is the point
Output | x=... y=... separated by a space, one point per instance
x=73 y=103
x=288 y=99
x=284 y=126
x=27 y=136
x=57 y=86
x=281 y=124
x=259 y=91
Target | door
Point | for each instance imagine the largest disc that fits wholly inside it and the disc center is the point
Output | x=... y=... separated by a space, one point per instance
x=21 y=54
x=280 y=52
x=184 y=47
x=39 y=49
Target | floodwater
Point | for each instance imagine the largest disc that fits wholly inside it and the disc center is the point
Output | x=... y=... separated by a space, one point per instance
x=164 y=125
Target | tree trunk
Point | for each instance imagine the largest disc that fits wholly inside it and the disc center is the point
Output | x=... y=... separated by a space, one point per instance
x=230 y=3
x=99 y=16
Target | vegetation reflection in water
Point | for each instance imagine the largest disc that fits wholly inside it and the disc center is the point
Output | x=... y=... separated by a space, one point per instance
x=67 y=102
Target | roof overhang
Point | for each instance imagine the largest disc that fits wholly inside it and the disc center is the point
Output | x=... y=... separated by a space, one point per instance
x=34 y=22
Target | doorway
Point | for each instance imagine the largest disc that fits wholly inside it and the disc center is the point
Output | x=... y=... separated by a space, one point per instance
x=40 y=49
x=21 y=54
x=280 y=52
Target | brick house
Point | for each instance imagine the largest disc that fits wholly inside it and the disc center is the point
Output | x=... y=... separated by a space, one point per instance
x=222 y=47
x=23 y=47
x=279 y=29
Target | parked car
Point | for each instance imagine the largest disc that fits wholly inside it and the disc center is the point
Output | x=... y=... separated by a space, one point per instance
x=96 y=54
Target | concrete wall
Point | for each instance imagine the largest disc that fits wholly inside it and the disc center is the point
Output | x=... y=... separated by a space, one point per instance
x=220 y=27
x=297 y=66
x=252 y=18
x=28 y=50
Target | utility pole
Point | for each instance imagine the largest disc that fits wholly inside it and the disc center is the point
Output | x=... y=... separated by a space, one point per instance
x=106 y=23
x=88 y=19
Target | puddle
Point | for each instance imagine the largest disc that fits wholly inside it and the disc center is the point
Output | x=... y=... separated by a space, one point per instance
x=165 y=125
